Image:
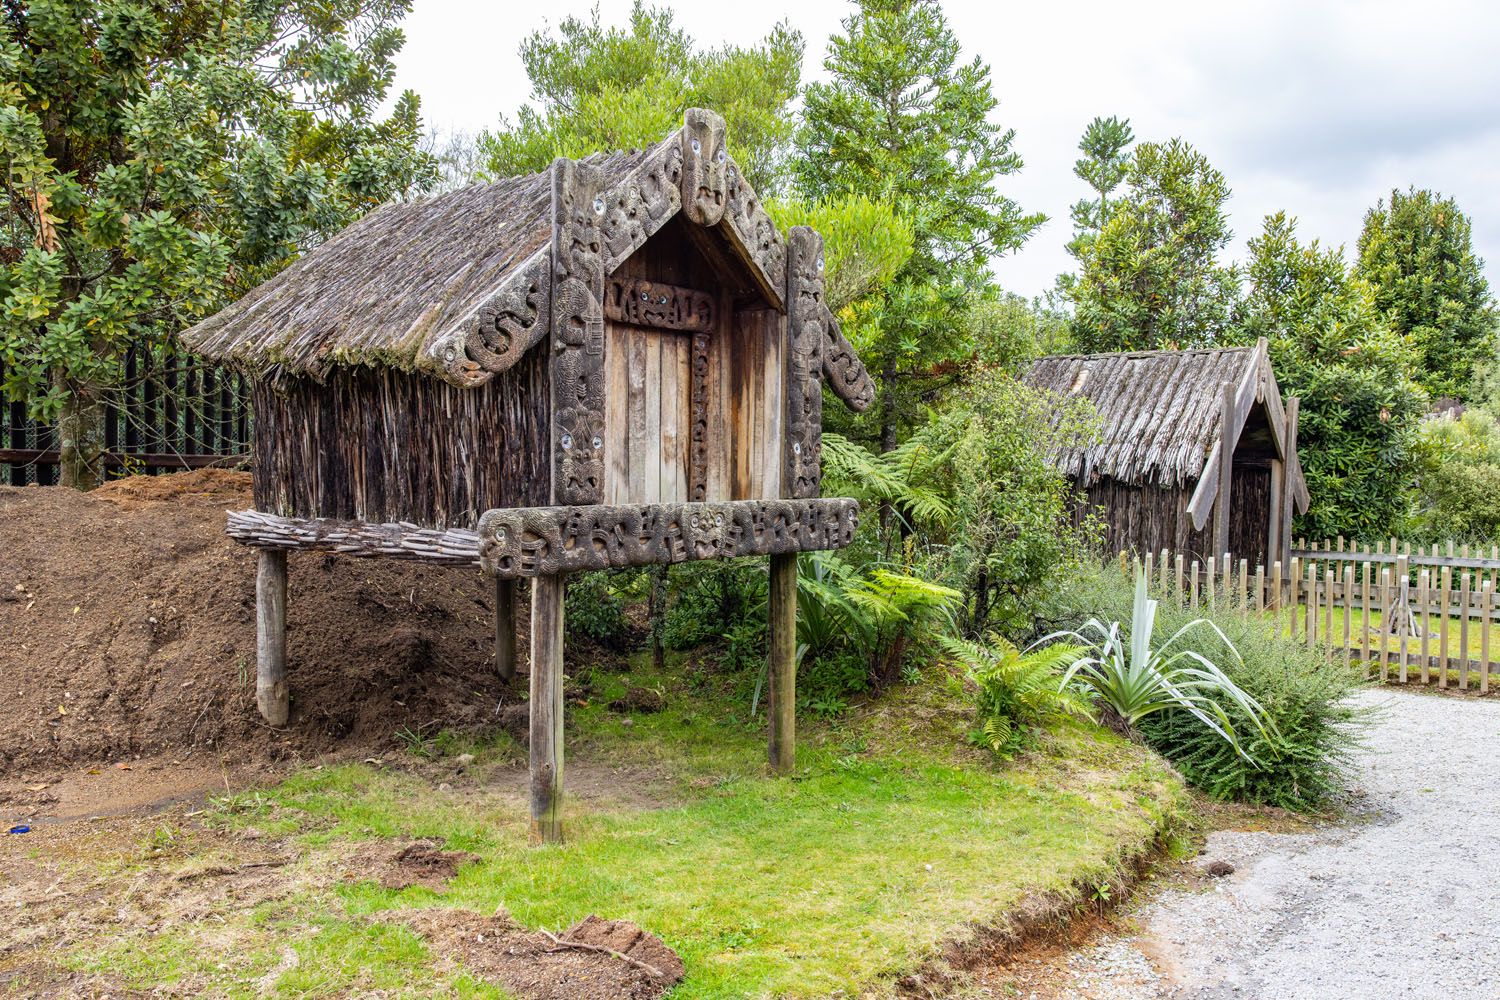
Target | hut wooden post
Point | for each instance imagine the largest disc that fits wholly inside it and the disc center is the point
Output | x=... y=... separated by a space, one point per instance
x=782 y=670
x=1284 y=543
x=272 y=695
x=547 y=708
x=1226 y=469
x=505 y=629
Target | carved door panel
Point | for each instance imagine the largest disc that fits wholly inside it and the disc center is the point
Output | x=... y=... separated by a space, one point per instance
x=648 y=415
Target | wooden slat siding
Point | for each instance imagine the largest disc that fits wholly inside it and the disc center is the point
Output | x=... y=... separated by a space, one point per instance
x=639 y=343
x=1443 y=604
x=617 y=414
x=651 y=443
x=774 y=332
x=1463 y=630
x=672 y=488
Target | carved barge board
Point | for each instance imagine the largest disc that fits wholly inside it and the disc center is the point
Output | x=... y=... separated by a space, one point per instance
x=544 y=540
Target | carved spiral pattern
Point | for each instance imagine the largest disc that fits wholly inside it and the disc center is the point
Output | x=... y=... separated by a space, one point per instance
x=577 y=334
x=805 y=339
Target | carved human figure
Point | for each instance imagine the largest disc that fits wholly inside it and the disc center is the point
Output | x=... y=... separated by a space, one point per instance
x=705 y=167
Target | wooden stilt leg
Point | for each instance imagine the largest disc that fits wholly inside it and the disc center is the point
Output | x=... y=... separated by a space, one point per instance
x=505 y=629
x=547 y=709
x=782 y=699
x=272 y=696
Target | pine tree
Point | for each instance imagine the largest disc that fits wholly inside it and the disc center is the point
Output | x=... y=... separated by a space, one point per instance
x=1418 y=254
x=903 y=120
x=1103 y=167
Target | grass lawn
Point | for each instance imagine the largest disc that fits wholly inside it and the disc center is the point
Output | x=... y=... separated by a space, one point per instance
x=893 y=836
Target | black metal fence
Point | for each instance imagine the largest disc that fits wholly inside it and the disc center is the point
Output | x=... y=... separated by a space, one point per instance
x=170 y=413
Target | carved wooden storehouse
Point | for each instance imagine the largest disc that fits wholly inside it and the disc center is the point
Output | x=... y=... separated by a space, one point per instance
x=616 y=362
x=1187 y=438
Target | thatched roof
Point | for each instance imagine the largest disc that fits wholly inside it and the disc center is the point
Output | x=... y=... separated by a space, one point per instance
x=1161 y=412
x=459 y=285
x=389 y=287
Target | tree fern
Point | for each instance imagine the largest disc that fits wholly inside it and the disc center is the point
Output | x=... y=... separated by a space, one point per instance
x=1014 y=692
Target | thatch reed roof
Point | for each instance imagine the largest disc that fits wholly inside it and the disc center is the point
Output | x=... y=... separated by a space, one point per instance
x=390 y=286
x=1160 y=410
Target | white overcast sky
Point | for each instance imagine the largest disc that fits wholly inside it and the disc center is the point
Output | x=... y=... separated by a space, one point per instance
x=1315 y=107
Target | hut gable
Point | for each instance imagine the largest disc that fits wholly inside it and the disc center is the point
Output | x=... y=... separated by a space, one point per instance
x=459 y=285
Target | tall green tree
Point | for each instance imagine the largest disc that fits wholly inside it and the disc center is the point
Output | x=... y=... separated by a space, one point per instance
x=160 y=158
x=1330 y=347
x=902 y=119
x=1418 y=254
x=605 y=87
x=1151 y=277
x=1104 y=165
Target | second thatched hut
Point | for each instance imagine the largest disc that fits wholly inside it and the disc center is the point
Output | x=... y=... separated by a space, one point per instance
x=1158 y=476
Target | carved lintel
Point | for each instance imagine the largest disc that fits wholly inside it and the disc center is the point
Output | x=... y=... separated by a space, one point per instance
x=577 y=333
x=842 y=368
x=540 y=541
x=806 y=336
x=446 y=547
x=705 y=167
x=658 y=305
x=702 y=369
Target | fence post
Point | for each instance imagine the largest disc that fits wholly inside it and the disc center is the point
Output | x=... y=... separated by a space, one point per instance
x=1403 y=601
x=1444 y=599
x=1193 y=586
x=1211 y=583
x=1348 y=608
x=1311 y=630
x=1369 y=614
x=1487 y=605
x=1275 y=595
x=1292 y=578
x=1181 y=594
x=1464 y=601
x=1424 y=588
x=1328 y=611
x=1150 y=564
x=1260 y=588
x=1243 y=593
x=1385 y=614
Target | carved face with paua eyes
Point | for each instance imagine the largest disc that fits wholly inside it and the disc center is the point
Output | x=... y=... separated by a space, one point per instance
x=705 y=167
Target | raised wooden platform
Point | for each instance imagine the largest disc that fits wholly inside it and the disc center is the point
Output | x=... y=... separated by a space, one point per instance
x=542 y=541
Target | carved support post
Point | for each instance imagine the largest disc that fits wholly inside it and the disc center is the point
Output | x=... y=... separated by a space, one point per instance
x=1288 y=510
x=805 y=335
x=1226 y=471
x=782 y=696
x=577 y=328
x=505 y=629
x=272 y=696
x=547 y=709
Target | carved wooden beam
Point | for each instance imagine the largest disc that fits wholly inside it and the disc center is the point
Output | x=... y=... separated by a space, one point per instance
x=754 y=237
x=537 y=541
x=577 y=334
x=803 y=444
x=659 y=305
x=846 y=374
x=705 y=167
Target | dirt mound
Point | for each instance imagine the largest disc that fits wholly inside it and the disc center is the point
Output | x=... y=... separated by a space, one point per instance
x=421 y=862
x=127 y=626
x=594 y=960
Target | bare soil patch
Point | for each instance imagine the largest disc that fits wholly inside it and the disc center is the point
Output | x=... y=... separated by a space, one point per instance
x=593 y=960
x=401 y=866
x=127 y=627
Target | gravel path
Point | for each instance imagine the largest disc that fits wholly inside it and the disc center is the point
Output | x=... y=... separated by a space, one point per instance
x=1403 y=905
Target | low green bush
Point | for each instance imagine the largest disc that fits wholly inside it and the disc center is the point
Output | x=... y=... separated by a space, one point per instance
x=1014 y=693
x=595 y=608
x=1300 y=760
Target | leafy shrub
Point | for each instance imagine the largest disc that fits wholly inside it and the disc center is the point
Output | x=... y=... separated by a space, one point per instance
x=1300 y=761
x=1014 y=692
x=1458 y=478
x=709 y=599
x=595 y=608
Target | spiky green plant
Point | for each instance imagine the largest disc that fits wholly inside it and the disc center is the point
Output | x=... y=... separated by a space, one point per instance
x=1130 y=679
x=1015 y=692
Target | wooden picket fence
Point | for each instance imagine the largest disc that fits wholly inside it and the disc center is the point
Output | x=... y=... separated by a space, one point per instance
x=171 y=412
x=1407 y=614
